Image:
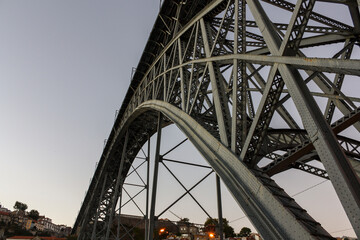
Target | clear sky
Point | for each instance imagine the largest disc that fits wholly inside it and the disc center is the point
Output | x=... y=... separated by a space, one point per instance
x=64 y=69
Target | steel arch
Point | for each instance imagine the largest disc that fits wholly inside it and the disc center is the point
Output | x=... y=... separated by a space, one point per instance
x=256 y=199
x=262 y=200
x=202 y=64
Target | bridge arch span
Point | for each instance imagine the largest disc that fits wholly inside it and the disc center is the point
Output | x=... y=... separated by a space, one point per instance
x=202 y=68
x=266 y=212
x=275 y=214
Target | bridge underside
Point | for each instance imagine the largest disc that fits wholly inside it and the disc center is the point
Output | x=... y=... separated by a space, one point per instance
x=228 y=77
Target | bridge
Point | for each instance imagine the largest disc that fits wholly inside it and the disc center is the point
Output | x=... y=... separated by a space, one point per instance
x=258 y=87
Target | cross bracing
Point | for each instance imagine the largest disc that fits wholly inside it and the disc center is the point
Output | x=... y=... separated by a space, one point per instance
x=223 y=72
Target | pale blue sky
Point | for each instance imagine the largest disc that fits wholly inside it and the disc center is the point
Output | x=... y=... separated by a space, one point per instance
x=64 y=69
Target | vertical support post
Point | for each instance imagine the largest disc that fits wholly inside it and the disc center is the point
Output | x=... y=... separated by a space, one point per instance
x=182 y=86
x=153 y=83
x=118 y=180
x=147 y=191
x=164 y=76
x=176 y=27
x=241 y=9
x=119 y=218
x=219 y=204
x=155 y=179
x=235 y=79
x=93 y=235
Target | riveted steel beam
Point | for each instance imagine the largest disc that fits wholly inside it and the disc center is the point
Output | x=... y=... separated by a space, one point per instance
x=155 y=179
x=218 y=91
x=346 y=182
x=257 y=198
x=300 y=150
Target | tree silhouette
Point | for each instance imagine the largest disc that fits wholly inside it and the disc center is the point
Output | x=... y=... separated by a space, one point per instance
x=20 y=206
x=184 y=220
x=245 y=232
x=34 y=214
x=211 y=223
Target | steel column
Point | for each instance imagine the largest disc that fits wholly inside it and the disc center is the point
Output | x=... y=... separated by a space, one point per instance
x=235 y=77
x=155 y=179
x=147 y=190
x=119 y=219
x=219 y=205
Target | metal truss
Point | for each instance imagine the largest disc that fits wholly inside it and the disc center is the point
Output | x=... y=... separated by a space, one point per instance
x=225 y=74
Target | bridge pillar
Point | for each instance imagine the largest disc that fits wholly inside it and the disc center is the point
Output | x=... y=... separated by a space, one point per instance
x=155 y=179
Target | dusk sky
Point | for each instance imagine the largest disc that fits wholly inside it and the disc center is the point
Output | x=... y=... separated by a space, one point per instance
x=65 y=67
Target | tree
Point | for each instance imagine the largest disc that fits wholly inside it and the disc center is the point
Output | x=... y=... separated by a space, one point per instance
x=245 y=232
x=34 y=214
x=229 y=231
x=211 y=223
x=20 y=206
x=184 y=220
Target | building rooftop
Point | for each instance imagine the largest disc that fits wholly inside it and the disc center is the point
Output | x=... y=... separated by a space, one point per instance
x=36 y=238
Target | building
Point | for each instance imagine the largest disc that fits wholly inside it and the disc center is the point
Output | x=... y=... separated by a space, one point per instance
x=346 y=238
x=187 y=228
x=168 y=225
x=34 y=238
x=48 y=225
x=39 y=226
x=29 y=224
x=253 y=236
x=131 y=220
x=5 y=217
x=46 y=222
x=22 y=220
x=4 y=209
x=18 y=218
x=65 y=230
x=201 y=236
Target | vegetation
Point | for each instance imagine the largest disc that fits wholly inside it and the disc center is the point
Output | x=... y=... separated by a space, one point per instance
x=227 y=229
x=34 y=214
x=184 y=220
x=211 y=221
x=245 y=232
x=20 y=206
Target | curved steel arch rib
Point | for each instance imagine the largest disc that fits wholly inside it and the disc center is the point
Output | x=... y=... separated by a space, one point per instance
x=262 y=200
x=270 y=209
